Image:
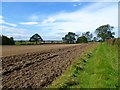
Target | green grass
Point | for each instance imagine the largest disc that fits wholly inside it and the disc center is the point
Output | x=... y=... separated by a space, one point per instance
x=98 y=68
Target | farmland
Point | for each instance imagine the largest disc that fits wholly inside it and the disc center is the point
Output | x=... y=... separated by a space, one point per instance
x=61 y=65
x=37 y=66
x=14 y=50
x=61 y=45
x=96 y=69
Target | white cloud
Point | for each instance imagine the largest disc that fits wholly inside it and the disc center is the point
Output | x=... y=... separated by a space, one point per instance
x=1 y=21
x=94 y=0
x=19 y=36
x=29 y=23
x=16 y=33
x=85 y=19
x=12 y=30
x=76 y=0
x=79 y=4
x=10 y=24
x=33 y=18
x=6 y=23
x=1 y=17
x=76 y=4
x=49 y=20
x=60 y=1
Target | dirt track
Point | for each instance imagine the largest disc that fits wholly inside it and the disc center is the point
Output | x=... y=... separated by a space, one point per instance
x=38 y=69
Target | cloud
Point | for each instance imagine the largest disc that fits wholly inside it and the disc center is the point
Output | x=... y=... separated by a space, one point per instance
x=33 y=18
x=10 y=24
x=49 y=20
x=60 y=1
x=29 y=23
x=1 y=21
x=86 y=19
x=18 y=36
x=76 y=0
x=12 y=30
x=76 y=4
x=94 y=0
x=6 y=23
x=1 y=17
x=16 y=33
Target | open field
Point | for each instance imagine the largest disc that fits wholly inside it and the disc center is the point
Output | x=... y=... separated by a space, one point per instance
x=39 y=43
x=37 y=66
x=8 y=50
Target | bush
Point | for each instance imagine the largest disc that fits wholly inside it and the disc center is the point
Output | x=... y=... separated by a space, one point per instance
x=82 y=39
x=4 y=40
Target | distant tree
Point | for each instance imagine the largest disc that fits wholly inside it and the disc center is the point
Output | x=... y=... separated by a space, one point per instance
x=82 y=39
x=6 y=40
x=110 y=34
x=104 y=32
x=21 y=41
x=52 y=41
x=0 y=40
x=95 y=39
x=36 y=38
x=88 y=35
x=12 y=40
x=69 y=38
x=63 y=38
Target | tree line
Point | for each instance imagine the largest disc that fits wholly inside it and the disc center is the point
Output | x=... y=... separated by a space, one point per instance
x=4 y=40
x=102 y=33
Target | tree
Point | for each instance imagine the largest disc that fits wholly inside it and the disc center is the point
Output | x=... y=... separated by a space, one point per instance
x=82 y=39
x=6 y=40
x=104 y=32
x=69 y=38
x=12 y=40
x=95 y=39
x=88 y=35
x=0 y=40
x=36 y=38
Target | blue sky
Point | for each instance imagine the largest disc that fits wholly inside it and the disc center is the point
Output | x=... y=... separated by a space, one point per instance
x=52 y=20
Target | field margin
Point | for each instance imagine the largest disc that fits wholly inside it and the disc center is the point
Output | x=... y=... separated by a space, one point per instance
x=109 y=77
x=66 y=76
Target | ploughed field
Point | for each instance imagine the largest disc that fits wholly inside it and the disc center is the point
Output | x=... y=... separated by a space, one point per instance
x=36 y=66
x=14 y=50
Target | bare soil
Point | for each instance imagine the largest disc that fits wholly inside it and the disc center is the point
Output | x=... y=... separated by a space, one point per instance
x=37 y=68
x=8 y=50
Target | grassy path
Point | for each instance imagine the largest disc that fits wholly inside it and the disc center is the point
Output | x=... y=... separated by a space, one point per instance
x=96 y=69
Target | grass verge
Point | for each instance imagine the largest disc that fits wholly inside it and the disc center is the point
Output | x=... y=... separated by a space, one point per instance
x=97 y=68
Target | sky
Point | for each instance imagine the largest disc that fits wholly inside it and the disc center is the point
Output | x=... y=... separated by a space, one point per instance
x=52 y=20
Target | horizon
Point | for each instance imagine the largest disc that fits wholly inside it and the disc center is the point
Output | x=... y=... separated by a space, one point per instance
x=52 y=20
